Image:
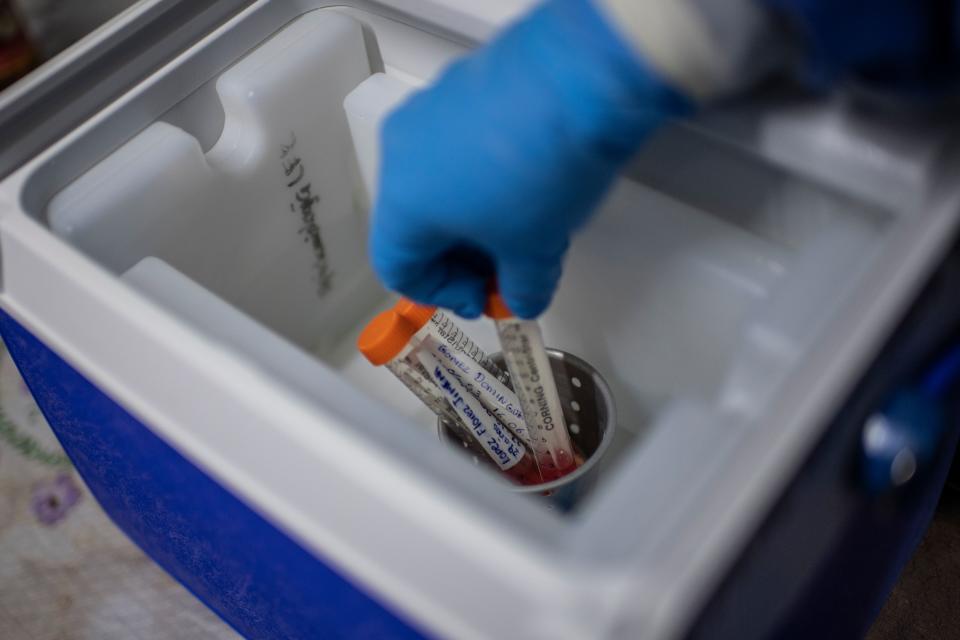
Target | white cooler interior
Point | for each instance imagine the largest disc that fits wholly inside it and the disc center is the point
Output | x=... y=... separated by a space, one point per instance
x=683 y=303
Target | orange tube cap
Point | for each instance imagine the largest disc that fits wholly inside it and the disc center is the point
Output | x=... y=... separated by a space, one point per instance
x=384 y=337
x=497 y=308
x=417 y=315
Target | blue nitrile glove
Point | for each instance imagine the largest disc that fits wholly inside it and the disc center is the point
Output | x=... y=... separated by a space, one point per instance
x=491 y=170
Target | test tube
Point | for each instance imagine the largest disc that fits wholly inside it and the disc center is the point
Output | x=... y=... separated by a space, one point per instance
x=532 y=377
x=495 y=396
x=482 y=378
x=504 y=448
x=388 y=341
x=437 y=324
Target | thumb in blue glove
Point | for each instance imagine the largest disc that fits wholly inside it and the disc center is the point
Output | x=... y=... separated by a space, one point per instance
x=489 y=172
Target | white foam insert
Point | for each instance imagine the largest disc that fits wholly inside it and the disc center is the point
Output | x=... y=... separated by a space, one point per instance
x=367 y=107
x=223 y=323
x=654 y=294
x=268 y=218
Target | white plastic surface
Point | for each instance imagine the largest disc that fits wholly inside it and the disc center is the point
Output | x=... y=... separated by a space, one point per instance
x=879 y=157
x=367 y=106
x=268 y=218
x=775 y=339
x=674 y=288
x=223 y=323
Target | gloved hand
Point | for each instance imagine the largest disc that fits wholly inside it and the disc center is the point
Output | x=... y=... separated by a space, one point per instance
x=491 y=170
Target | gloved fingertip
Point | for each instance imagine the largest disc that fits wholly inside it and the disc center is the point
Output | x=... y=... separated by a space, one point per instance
x=527 y=308
x=527 y=284
x=462 y=294
x=470 y=311
x=469 y=294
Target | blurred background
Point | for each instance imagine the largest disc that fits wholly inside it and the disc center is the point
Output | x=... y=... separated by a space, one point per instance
x=34 y=30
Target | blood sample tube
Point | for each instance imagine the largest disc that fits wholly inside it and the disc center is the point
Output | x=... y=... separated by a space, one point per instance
x=387 y=341
x=529 y=367
x=437 y=332
x=436 y=323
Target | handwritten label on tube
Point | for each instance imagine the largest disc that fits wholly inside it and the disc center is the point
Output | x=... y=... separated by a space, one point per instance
x=494 y=395
x=444 y=330
x=502 y=446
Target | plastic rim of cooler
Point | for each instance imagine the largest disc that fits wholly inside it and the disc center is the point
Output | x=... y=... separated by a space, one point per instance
x=590 y=414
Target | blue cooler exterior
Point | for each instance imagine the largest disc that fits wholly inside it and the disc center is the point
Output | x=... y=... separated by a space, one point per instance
x=246 y=570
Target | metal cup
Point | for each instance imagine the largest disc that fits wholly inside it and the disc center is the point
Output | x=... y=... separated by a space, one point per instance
x=590 y=415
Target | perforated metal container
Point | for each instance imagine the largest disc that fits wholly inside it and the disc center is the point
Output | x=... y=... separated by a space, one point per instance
x=589 y=412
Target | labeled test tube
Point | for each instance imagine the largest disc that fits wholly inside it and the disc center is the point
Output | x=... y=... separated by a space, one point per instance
x=504 y=448
x=435 y=323
x=481 y=377
x=529 y=367
x=384 y=343
x=495 y=396
x=388 y=341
